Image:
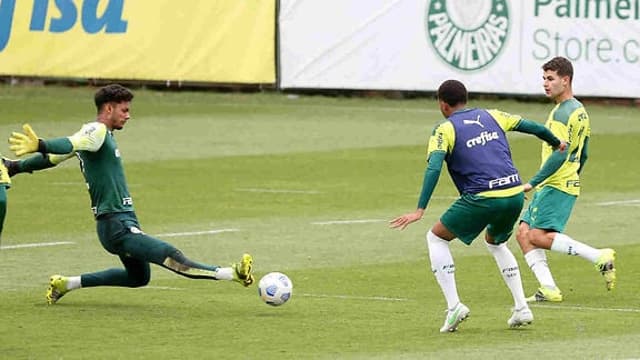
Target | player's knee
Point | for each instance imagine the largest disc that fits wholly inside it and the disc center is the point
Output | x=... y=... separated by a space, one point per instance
x=522 y=236
x=140 y=280
x=538 y=238
x=145 y=280
x=521 y=233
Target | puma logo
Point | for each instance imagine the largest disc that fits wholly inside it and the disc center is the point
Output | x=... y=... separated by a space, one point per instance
x=472 y=122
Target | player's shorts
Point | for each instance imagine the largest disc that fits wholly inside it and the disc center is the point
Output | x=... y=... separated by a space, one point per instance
x=549 y=209
x=120 y=234
x=470 y=214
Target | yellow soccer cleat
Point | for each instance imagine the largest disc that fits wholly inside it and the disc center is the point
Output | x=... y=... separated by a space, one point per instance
x=546 y=294
x=57 y=288
x=605 y=265
x=243 y=271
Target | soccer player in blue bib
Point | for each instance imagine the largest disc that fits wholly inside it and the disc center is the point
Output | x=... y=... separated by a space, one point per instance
x=473 y=143
x=558 y=186
x=112 y=205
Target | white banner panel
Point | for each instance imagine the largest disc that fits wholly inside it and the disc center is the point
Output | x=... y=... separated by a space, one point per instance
x=493 y=46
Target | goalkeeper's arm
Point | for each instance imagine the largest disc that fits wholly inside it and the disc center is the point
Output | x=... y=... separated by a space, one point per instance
x=89 y=138
x=34 y=163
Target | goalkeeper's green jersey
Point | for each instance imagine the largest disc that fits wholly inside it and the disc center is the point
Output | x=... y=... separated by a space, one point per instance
x=97 y=150
x=569 y=122
x=104 y=174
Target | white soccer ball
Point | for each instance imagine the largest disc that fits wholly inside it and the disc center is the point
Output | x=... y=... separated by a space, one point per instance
x=275 y=288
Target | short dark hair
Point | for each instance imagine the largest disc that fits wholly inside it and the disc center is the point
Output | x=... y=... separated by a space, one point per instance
x=112 y=93
x=560 y=65
x=453 y=93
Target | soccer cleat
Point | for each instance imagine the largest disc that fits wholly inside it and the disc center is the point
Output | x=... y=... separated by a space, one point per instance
x=606 y=267
x=546 y=294
x=57 y=288
x=243 y=271
x=454 y=317
x=520 y=317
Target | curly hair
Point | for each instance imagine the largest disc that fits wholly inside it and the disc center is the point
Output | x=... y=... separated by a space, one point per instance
x=112 y=93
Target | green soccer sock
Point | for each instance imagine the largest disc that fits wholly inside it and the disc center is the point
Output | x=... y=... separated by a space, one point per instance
x=3 y=206
x=180 y=264
x=111 y=277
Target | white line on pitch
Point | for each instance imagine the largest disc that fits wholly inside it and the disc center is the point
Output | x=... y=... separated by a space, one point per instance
x=160 y=287
x=278 y=191
x=349 y=297
x=20 y=246
x=191 y=233
x=587 y=308
x=621 y=202
x=78 y=183
x=340 y=222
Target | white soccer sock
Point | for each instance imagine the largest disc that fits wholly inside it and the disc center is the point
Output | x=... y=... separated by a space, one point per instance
x=443 y=268
x=566 y=245
x=537 y=261
x=510 y=272
x=73 y=282
x=224 y=273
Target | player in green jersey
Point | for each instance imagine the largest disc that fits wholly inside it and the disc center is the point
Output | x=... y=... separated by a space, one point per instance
x=473 y=143
x=117 y=225
x=558 y=186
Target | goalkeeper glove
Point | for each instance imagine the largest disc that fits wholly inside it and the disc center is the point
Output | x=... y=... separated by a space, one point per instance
x=25 y=143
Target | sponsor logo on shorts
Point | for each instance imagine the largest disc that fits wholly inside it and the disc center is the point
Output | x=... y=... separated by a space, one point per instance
x=573 y=183
x=500 y=182
x=135 y=230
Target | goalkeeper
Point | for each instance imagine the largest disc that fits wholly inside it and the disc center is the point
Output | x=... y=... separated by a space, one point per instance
x=117 y=225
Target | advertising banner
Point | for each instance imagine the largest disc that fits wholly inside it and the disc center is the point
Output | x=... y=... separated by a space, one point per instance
x=189 y=40
x=493 y=46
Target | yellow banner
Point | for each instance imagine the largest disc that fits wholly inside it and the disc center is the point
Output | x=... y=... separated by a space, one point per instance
x=231 y=41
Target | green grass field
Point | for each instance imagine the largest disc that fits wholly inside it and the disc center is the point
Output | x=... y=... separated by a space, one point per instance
x=279 y=171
